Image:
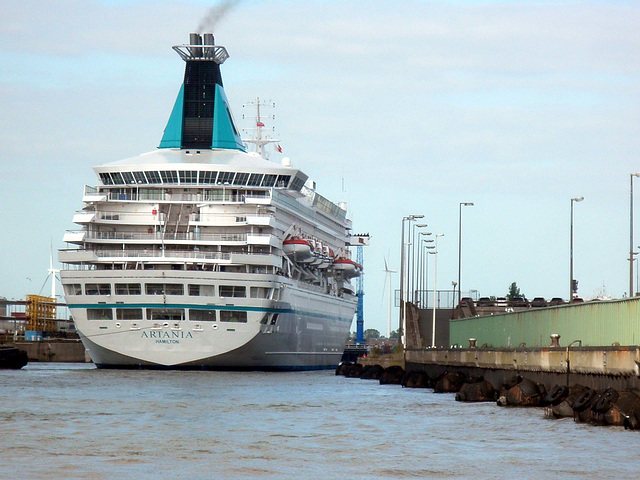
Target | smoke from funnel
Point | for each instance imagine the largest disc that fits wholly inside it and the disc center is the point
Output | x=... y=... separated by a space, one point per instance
x=215 y=14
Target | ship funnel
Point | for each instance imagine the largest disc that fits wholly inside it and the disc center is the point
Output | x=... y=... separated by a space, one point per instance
x=210 y=41
x=201 y=117
x=195 y=39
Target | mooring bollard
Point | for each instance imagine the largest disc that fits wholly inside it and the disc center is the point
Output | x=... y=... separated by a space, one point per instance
x=555 y=340
x=472 y=343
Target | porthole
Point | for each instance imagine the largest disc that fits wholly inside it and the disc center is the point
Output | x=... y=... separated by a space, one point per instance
x=118 y=325
x=215 y=327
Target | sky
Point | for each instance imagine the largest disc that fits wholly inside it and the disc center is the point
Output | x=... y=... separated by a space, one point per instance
x=396 y=107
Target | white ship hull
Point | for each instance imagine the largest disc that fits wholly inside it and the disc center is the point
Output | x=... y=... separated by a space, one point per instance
x=311 y=329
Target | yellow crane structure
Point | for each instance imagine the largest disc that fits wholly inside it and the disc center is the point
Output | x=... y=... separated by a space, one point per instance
x=41 y=313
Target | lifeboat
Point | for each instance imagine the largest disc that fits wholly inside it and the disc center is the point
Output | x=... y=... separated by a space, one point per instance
x=298 y=249
x=348 y=268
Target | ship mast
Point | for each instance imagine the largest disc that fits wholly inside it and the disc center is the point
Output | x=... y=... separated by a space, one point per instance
x=258 y=140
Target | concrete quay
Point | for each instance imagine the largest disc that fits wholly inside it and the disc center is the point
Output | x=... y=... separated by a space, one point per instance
x=54 y=350
x=594 y=367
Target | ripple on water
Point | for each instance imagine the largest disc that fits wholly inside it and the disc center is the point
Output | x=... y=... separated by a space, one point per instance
x=97 y=424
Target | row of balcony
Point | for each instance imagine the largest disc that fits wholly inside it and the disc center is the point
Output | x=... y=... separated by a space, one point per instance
x=195 y=237
x=77 y=256
x=92 y=194
x=158 y=219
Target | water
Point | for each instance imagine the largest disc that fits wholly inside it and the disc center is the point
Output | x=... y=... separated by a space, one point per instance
x=75 y=422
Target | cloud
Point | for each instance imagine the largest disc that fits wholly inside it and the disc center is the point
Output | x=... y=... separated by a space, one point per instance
x=516 y=106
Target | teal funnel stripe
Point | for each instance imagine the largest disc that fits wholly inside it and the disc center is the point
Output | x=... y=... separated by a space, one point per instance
x=172 y=137
x=225 y=134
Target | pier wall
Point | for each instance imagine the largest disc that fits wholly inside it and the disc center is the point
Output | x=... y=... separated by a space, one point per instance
x=605 y=352
x=613 y=322
x=53 y=350
x=595 y=367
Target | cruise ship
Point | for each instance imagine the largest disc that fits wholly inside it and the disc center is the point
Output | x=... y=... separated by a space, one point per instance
x=205 y=255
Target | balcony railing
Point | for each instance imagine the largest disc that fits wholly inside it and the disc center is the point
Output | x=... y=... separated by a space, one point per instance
x=168 y=236
x=129 y=253
x=89 y=256
x=133 y=195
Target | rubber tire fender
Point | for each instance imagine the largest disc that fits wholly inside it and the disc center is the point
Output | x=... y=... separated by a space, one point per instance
x=605 y=400
x=557 y=395
x=583 y=400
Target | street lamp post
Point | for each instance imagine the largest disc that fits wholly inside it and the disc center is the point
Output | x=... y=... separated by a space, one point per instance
x=403 y=307
x=435 y=279
x=577 y=199
x=412 y=273
x=420 y=273
x=462 y=204
x=631 y=253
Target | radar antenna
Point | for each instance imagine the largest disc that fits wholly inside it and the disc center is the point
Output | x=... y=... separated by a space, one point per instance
x=258 y=139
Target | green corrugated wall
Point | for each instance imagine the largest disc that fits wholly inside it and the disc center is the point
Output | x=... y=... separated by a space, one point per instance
x=596 y=324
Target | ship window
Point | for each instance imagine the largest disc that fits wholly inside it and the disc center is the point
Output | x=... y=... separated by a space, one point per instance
x=233 y=316
x=283 y=180
x=97 y=289
x=169 y=176
x=129 y=313
x=99 y=314
x=128 y=178
x=269 y=180
x=139 y=176
x=274 y=319
x=208 y=177
x=153 y=177
x=297 y=183
x=127 y=289
x=73 y=289
x=202 y=315
x=259 y=292
x=151 y=194
x=213 y=195
x=117 y=178
x=202 y=290
x=255 y=179
x=165 y=289
x=232 y=291
x=241 y=179
x=225 y=177
x=106 y=179
x=188 y=176
x=164 y=314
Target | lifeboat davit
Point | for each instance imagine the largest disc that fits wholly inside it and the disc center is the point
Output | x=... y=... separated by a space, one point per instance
x=298 y=249
x=348 y=268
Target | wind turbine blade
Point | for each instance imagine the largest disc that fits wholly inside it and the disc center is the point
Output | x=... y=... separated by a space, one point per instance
x=386 y=267
x=50 y=255
x=44 y=283
x=384 y=286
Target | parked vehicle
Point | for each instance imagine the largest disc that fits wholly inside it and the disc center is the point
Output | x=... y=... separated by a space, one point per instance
x=485 y=302
x=466 y=302
x=501 y=302
x=556 y=301
x=520 y=302
x=577 y=300
x=539 y=302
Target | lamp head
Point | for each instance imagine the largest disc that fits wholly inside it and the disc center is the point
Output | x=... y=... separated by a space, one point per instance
x=467 y=204
x=578 y=199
